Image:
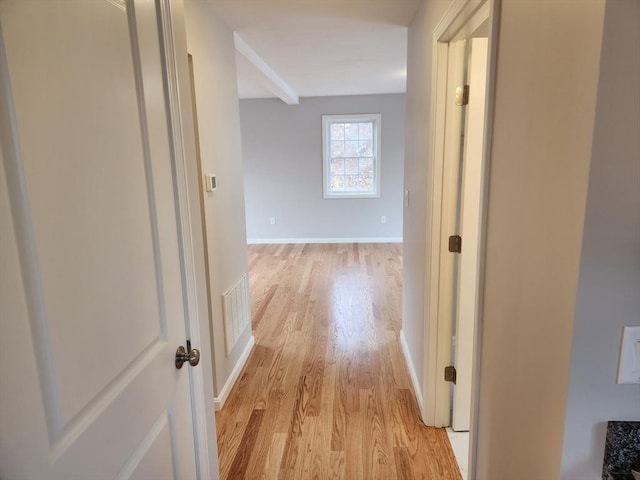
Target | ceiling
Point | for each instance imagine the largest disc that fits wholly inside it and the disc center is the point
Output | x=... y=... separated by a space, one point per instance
x=305 y=48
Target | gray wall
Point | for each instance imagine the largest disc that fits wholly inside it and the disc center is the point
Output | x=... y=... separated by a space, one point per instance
x=564 y=167
x=609 y=282
x=282 y=157
x=547 y=70
x=418 y=158
x=211 y=43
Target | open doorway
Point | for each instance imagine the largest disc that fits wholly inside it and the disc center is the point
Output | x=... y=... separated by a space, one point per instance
x=327 y=384
x=469 y=57
x=461 y=75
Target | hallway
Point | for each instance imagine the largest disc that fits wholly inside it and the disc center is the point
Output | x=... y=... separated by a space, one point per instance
x=325 y=392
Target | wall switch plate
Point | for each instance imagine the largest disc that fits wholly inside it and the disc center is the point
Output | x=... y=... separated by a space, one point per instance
x=406 y=199
x=272 y=220
x=629 y=366
x=210 y=182
x=383 y=219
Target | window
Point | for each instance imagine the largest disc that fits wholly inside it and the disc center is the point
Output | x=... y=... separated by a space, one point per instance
x=351 y=160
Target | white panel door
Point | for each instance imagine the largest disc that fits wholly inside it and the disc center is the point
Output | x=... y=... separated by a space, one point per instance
x=470 y=220
x=91 y=288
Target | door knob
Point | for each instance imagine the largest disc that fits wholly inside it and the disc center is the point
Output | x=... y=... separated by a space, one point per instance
x=189 y=355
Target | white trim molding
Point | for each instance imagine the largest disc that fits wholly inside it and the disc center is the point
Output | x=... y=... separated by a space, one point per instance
x=439 y=269
x=412 y=374
x=457 y=23
x=173 y=51
x=218 y=402
x=274 y=241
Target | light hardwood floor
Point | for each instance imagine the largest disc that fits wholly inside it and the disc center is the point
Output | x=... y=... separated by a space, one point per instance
x=325 y=393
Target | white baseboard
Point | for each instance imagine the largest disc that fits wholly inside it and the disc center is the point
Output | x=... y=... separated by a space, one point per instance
x=218 y=402
x=275 y=241
x=417 y=389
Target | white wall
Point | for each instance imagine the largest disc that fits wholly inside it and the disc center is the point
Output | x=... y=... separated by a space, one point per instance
x=211 y=43
x=546 y=84
x=538 y=279
x=418 y=159
x=282 y=156
x=609 y=282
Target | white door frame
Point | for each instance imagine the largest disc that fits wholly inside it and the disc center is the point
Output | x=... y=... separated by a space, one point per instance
x=468 y=216
x=174 y=40
x=460 y=20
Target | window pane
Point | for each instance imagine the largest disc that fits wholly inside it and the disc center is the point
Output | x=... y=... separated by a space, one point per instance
x=337 y=131
x=337 y=183
x=351 y=184
x=351 y=131
x=337 y=166
x=350 y=148
x=366 y=166
x=365 y=130
x=365 y=148
x=337 y=149
x=366 y=182
x=351 y=166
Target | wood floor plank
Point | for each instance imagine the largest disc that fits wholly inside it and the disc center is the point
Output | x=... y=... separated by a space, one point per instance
x=228 y=442
x=325 y=394
x=263 y=448
x=245 y=449
x=340 y=408
x=264 y=304
x=355 y=466
x=403 y=464
x=377 y=454
x=336 y=466
x=274 y=457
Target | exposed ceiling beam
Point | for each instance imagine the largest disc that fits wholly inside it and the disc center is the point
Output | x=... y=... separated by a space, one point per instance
x=273 y=81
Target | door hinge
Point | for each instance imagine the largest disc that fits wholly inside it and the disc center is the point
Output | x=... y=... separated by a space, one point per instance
x=462 y=95
x=455 y=244
x=450 y=374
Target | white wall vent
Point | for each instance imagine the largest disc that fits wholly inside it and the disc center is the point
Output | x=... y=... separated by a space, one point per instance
x=236 y=310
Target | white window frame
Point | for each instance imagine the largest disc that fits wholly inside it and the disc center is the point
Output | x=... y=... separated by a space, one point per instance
x=327 y=120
